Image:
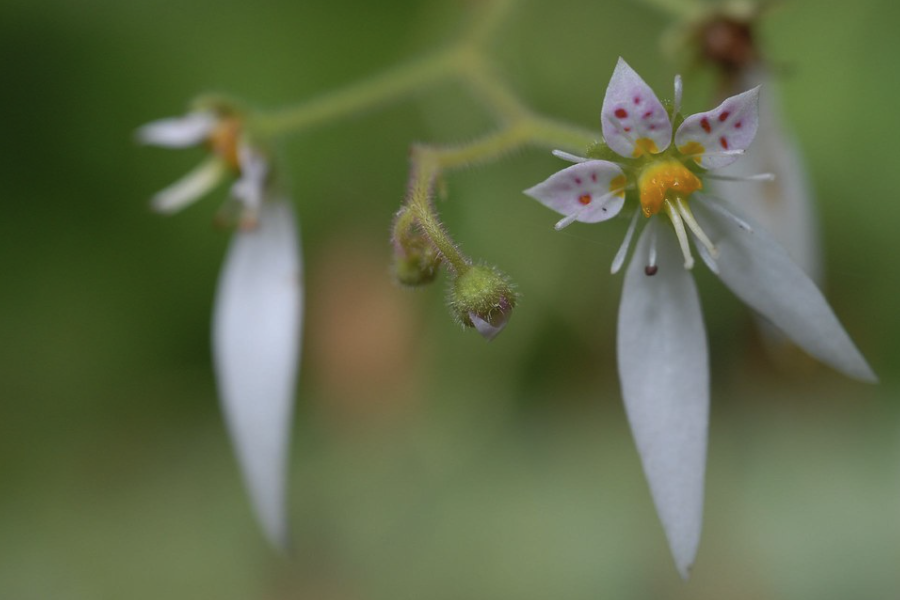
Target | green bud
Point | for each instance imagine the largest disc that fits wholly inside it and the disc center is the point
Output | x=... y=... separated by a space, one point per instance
x=483 y=298
x=417 y=263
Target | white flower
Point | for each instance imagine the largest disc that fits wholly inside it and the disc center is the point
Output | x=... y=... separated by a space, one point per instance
x=662 y=352
x=258 y=308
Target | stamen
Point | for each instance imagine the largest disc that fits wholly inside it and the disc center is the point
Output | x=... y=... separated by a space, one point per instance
x=757 y=177
x=574 y=158
x=569 y=219
x=626 y=243
x=707 y=259
x=710 y=203
x=651 y=255
x=599 y=203
x=680 y=233
x=676 y=106
x=694 y=226
x=715 y=153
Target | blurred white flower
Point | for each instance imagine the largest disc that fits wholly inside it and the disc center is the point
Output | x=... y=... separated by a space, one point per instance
x=257 y=316
x=662 y=351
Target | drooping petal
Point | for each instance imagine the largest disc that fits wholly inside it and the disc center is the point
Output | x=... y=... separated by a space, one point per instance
x=190 y=187
x=592 y=190
x=256 y=347
x=715 y=138
x=664 y=370
x=178 y=132
x=251 y=187
x=783 y=206
x=633 y=119
x=759 y=271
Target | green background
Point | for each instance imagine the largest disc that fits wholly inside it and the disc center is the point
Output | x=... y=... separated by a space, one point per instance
x=426 y=463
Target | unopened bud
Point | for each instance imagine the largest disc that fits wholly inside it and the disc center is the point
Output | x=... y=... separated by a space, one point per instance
x=417 y=264
x=483 y=298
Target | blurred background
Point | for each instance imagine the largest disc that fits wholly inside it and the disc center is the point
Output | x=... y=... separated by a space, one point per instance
x=427 y=463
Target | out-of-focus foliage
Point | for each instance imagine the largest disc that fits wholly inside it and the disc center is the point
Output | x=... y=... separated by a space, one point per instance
x=427 y=463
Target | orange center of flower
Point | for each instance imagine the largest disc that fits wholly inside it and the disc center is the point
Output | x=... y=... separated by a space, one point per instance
x=657 y=180
x=224 y=141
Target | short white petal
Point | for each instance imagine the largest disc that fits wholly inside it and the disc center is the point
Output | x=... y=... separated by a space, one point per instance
x=759 y=271
x=590 y=192
x=664 y=370
x=256 y=347
x=722 y=134
x=178 y=132
x=633 y=119
x=190 y=187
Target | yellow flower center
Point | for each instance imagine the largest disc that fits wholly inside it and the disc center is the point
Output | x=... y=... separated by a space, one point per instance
x=662 y=177
x=224 y=141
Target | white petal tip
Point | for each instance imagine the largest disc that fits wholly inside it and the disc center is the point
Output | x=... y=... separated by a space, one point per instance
x=684 y=570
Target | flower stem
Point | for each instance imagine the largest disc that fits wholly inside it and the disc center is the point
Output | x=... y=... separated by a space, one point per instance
x=368 y=94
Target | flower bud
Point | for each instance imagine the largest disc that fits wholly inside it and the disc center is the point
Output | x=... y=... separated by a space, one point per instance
x=416 y=263
x=483 y=298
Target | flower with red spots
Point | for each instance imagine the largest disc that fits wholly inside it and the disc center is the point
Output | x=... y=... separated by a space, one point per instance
x=662 y=352
x=258 y=307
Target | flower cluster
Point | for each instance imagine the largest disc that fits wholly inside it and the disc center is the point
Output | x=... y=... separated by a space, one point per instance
x=258 y=308
x=653 y=155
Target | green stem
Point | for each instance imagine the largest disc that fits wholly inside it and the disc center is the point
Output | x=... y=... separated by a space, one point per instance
x=361 y=96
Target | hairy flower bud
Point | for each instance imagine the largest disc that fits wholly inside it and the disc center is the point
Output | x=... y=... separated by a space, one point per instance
x=483 y=298
x=416 y=263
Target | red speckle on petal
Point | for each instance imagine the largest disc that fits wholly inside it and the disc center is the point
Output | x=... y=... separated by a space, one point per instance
x=621 y=113
x=584 y=199
x=637 y=99
x=627 y=129
x=578 y=181
x=724 y=142
x=738 y=124
x=594 y=177
x=704 y=123
x=648 y=114
x=723 y=116
x=652 y=127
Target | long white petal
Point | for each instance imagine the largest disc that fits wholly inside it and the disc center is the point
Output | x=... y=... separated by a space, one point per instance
x=785 y=205
x=256 y=346
x=178 y=132
x=759 y=271
x=664 y=370
x=190 y=187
